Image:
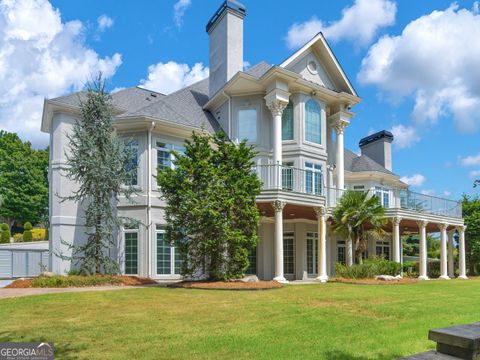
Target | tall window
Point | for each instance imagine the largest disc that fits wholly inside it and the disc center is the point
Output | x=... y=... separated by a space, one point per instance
x=247 y=125
x=313 y=123
x=287 y=122
x=165 y=156
x=312 y=252
x=252 y=262
x=131 y=250
x=168 y=257
x=131 y=146
x=382 y=249
x=288 y=253
x=384 y=196
x=341 y=258
x=287 y=176
x=313 y=178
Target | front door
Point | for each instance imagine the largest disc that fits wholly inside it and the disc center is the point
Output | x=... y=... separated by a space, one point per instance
x=312 y=254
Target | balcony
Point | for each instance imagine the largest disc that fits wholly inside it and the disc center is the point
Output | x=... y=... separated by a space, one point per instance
x=309 y=182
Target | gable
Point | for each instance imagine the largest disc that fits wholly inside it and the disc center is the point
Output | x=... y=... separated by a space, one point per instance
x=311 y=68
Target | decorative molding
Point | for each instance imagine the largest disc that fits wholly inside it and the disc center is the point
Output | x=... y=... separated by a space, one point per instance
x=339 y=125
x=277 y=106
x=396 y=220
x=320 y=211
x=278 y=205
x=461 y=228
x=422 y=223
x=443 y=226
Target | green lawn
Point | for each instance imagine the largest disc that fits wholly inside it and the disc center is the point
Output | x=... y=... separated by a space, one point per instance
x=324 y=321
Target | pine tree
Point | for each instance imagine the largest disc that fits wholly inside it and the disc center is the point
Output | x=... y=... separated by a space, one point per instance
x=98 y=163
x=211 y=211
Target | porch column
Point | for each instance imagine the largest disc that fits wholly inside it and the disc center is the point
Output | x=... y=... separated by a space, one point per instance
x=396 y=239
x=451 y=268
x=340 y=126
x=422 y=227
x=278 y=206
x=322 y=244
x=277 y=101
x=461 y=253
x=443 y=251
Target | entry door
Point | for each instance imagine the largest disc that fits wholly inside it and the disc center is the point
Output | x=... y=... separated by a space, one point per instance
x=289 y=254
x=312 y=253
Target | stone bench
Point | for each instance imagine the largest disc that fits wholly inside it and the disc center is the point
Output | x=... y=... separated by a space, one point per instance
x=454 y=342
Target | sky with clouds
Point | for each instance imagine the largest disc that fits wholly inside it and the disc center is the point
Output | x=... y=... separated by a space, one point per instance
x=414 y=64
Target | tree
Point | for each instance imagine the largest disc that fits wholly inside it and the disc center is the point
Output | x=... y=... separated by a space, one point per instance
x=353 y=214
x=99 y=165
x=4 y=233
x=211 y=211
x=23 y=181
x=27 y=232
x=471 y=215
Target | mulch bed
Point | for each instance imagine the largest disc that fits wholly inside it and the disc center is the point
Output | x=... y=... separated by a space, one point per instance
x=227 y=285
x=123 y=281
x=402 y=281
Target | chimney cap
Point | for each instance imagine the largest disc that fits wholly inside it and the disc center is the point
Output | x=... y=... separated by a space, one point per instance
x=384 y=134
x=233 y=5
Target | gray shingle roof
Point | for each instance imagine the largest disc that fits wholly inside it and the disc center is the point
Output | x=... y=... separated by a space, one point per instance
x=259 y=69
x=355 y=163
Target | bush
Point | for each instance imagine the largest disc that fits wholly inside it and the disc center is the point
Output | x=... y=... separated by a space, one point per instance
x=27 y=233
x=369 y=269
x=74 y=281
x=4 y=233
x=38 y=235
x=17 y=237
x=410 y=268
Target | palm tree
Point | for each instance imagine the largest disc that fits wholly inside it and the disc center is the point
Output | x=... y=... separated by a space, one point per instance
x=354 y=211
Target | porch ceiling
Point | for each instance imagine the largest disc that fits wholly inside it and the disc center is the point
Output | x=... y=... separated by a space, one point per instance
x=290 y=211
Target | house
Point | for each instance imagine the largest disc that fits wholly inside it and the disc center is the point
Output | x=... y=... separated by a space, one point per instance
x=296 y=114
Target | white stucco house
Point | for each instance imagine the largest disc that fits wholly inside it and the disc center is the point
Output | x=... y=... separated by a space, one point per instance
x=296 y=113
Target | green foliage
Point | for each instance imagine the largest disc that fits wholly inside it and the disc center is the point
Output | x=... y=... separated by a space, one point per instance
x=211 y=211
x=23 y=181
x=27 y=226
x=98 y=164
x=17 y=237
x=4 y=233
x=73 y=281
x=411 y=246
x=471 y=214
x=355 y=210
x=409 y=265
x=368 y=269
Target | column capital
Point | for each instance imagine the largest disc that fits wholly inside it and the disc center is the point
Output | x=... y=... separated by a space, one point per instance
x=443 y=226
x=396 y=220
x=276 y=106
x=278 y=205
x=461 y=228
x=320 y=211
x=339 y=125
x=422 y=223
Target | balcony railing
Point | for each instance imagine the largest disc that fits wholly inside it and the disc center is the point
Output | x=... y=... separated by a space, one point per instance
x=287 y=178
x=310 y=182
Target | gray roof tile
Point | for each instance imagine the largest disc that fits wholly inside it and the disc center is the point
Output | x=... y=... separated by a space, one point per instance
x=259 y=69
x=355 y=163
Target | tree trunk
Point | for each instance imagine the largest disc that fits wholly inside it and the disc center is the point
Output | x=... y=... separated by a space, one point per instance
x=349 y=252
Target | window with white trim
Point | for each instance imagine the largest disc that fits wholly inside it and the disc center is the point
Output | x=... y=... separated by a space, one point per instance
x=168 y=256
x=382 y=248
x=341 y=256
x=130 y=238
x=288 y=253
x=313 y=122
x=313 y=178
x=252 y=262
x=131 y=147
x=287 y=122
x=247 y=124
x=312 y=252
x=383 y=195
x=165 y=156
x=287 y=176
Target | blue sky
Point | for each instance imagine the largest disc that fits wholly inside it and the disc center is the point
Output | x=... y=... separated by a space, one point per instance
x=426 y=92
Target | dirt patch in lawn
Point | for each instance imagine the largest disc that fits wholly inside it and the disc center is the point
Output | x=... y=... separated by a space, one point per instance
x=402 y=281
x=79 y=281
x=228 y=285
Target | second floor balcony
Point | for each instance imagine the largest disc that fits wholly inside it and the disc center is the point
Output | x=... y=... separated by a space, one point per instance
x=309 y=182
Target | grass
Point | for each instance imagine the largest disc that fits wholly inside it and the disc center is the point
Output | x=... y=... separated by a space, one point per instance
x=73 y=280
x=322 y=321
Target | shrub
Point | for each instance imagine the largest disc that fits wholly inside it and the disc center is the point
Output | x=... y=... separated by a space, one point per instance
x=27 y=233
x=38 y=234
x=409 y=267
x=4 y=233
x=369 y=269
x=74 y=281
x=17 y=238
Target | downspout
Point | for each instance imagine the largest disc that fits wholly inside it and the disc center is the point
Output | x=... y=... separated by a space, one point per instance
x=230 y=133
x=149 y=201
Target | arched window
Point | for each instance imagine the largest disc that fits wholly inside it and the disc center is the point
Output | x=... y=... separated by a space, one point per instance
x=313 y=123
x=287 y=122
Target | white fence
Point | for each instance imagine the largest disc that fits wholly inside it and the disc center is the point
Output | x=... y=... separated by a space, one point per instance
x=23 y=260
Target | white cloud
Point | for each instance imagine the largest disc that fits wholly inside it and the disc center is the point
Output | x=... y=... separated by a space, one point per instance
x=359 y=23
x=474 y=174
x=414 y=180
x=434 y=61
x=171 y=76
x=471 y=160
x=429 y=192
x=404 y=136
x=104 y=22
x=41 y=57
x=179 y=10
x=447 y=193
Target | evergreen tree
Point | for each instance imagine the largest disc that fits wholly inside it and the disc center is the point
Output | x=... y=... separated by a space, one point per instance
x=211 y=211
x=99 y=165
x=471 y=214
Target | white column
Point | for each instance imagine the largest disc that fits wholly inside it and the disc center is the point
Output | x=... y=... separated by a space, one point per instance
x=422 y=227
x=443 y=251
x=276 y=107
x=461 y=253
x=322 y=244
x=451 y=266
x=396 y=238
x=278 y=206
x=339 y=129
